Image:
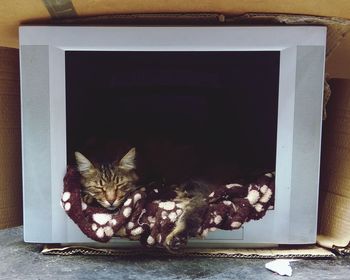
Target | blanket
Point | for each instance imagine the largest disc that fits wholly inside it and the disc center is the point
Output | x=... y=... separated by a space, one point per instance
x=152 y=213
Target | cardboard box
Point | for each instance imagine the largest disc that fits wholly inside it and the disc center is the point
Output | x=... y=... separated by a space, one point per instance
x=14 y=13
x=334 y=221
x=334 y=205
x=10 y=143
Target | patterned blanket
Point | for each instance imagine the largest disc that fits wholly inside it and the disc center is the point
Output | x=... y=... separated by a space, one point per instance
x=152 y=212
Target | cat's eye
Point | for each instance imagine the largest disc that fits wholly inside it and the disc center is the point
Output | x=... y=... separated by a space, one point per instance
x=96 y=190
x=124 y=188
x=120 y=179
x=90 y=193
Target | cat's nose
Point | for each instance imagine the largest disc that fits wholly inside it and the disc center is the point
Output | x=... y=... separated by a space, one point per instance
x=110 y=201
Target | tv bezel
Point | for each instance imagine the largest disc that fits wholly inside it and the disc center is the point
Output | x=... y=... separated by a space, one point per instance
x=300 y=107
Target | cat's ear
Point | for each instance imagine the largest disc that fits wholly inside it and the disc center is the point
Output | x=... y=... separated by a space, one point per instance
x=127 y=163
x=85 y=167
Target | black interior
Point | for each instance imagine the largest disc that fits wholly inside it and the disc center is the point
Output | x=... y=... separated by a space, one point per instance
x=221 y=104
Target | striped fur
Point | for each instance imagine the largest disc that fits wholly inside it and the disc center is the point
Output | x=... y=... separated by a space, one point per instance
x=108 y=184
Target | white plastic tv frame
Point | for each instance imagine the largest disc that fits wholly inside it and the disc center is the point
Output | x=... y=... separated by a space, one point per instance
x=302 y=52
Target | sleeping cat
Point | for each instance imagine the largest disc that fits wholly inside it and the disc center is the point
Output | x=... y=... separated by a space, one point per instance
x=107 y=184
x=110 y=184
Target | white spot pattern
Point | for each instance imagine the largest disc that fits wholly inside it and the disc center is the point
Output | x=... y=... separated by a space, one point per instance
x=217 y=219
x=137 y=197
x=137 y=231
x=127 y=202
x=67 y=206
x=172 y=216
x=253 y=197
x=127 y=212
x=150 y=240
x=101 y=218
x=83 y=206
x=168 y=205
x=94 y=227
x=164 y=215
x=229 y=186
x=236 y=225
x=108 y=231
x=258 y=207
x=130 y=225
x=263 y=189
x=65 y=196
x=100 y=233
x=267 y=195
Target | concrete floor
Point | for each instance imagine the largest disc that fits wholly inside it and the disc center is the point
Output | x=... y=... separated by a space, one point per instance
x=24 y=261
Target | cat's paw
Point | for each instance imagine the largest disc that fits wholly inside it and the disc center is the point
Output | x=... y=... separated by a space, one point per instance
x=177 y=238
x=175 y=243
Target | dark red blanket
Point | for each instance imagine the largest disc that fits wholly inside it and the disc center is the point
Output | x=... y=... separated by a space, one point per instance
x=150 y=214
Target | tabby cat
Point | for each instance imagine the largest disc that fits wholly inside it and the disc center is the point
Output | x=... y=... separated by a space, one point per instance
x=107 y=184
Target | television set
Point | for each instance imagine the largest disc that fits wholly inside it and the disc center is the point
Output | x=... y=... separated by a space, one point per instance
x=258 y=90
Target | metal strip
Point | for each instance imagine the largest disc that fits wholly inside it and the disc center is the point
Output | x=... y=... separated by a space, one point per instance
x=60 y=8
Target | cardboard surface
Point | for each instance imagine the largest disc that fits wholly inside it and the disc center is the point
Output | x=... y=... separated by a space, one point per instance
x=276 y=253
x=334 y=211
x=10 y=142
x=338 y=63
x=16 y=12
x=338 y=8
x=335 y=182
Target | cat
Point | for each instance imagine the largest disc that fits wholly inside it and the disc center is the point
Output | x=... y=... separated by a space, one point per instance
x=107 y=184
x=193 y=195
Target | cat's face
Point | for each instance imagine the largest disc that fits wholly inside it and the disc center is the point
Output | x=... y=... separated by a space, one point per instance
x=108 y=184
